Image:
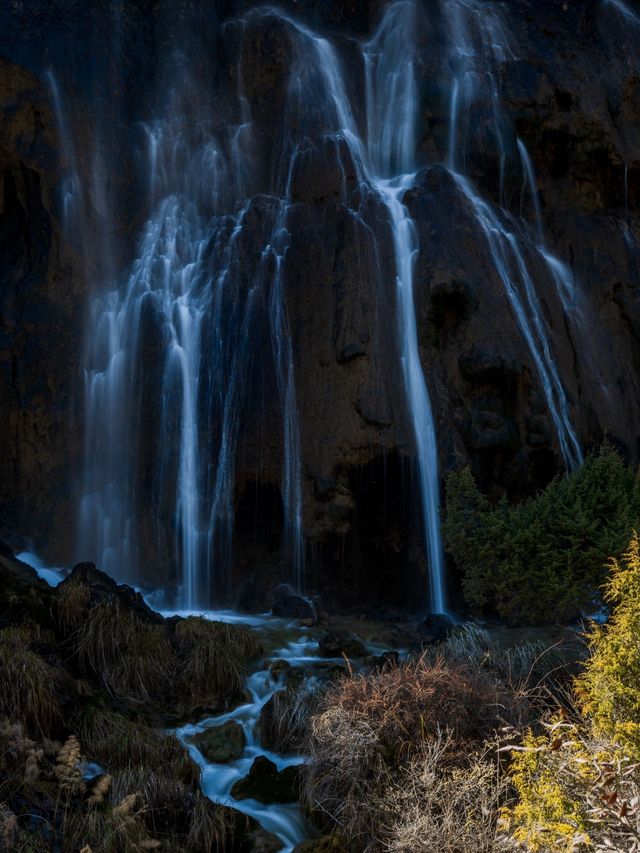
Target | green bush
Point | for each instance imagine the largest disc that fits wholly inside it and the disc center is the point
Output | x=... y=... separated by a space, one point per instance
x=543 y=560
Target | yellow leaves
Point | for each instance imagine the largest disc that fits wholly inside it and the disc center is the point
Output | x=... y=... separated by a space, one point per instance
x=609 y=688
x=547 y=816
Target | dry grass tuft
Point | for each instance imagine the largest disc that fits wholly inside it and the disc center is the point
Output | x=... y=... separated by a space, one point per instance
x=134 y=659
x=211 y=827
x=436 y=807
x=28 y=683
x=72 y=605
x=119 y=829
x=120 y=744
x=175 y=812
x=214 y=657
x=285 y=719
x=99 y=790
x=66 y=769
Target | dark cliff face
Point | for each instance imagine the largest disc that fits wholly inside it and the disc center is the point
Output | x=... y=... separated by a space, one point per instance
x=569 y=90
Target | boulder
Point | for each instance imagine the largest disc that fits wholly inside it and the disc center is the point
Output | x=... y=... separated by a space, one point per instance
x=335 y=644
x=246 y=834
x=104 y=590
x=221 y=744
x=279 y=667
x=386 y=659
x=22 y=593
x=268 y=785
x=437 y=627
x=289 y=605
x=325 y=844
x=261 y=841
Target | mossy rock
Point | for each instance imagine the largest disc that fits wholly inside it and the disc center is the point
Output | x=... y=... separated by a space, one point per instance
x=335 y=644
x=221 y=744
x=265 y=784
x=325 y=844
x=261 y=841
x=23 y=595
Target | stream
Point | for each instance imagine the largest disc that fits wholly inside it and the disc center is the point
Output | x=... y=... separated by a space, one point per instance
x=281 y=640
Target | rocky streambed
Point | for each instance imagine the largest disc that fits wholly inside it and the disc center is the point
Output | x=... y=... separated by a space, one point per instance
x=248 y=745
x=243 y=753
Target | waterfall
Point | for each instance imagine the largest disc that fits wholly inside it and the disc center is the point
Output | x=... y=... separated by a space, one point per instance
x=406 y=247
x=530 y=179
x=511 y=265
x=181 y=299
x=476 y=44
x=387 y=163
x=474 y=73
x=70 y=187
x=624 y=10
x=161 y=306
x=283 y=354
x=170 y=362
x=391 y=136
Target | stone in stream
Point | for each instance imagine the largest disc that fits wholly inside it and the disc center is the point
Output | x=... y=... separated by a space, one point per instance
x=325 y=844
x=265 y=784
x=335 y=644
x=386 y=659
x=279 y=667
x=261 y=841
x=221 y=744
x=286 y=603
x=437 y=626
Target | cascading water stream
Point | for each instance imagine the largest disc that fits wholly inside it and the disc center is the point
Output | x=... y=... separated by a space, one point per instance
x=283 y=354
x=510 y=264
x=530 y=179
x=477 y=42
x=405 y=245
x=387 y=163
x=391 y=137
x=71 y=181
x=474 y=74
x=624 y=10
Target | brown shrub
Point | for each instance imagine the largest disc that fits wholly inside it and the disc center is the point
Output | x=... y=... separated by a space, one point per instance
x=435 y=807
x=370 y=729
x=410 y=702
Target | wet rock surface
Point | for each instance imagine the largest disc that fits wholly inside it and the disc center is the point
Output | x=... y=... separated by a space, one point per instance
x=335 y=644
x=221 y=744
x=41 y=632
x=325 y=844
x=291 y=606
x=581 y=129
x=268 y=785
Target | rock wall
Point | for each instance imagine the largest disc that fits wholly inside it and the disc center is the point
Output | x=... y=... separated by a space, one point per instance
x=569 y=88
